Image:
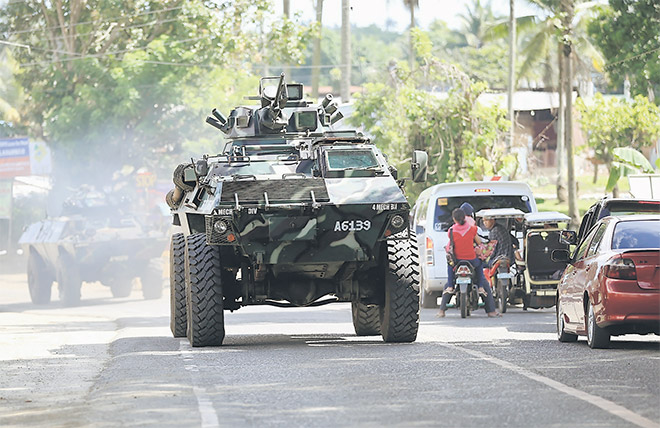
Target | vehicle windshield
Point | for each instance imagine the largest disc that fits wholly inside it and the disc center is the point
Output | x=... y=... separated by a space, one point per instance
x=351 y=159
x=636 y=234
x=616 y=208
x=444 y=206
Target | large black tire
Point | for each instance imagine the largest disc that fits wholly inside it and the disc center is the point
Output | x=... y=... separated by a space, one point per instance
x=68 y=279
x=502 y=290
x=366 y=319
x=178 y=320
x=206 y=326
x=562 y=335
x=40 y=281
x=152 y=281
x=597 y=337
x=463 y=303
x=121 y=287
x=399 y=314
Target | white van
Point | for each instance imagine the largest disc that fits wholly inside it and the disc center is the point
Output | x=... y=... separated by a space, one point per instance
x=431 y=218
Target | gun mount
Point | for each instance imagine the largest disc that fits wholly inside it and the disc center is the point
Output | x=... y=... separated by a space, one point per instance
x=282 y=111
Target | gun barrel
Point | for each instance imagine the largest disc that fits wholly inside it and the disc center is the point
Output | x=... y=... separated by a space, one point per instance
x=221 y=118
x=280 y=87
x=214 y=122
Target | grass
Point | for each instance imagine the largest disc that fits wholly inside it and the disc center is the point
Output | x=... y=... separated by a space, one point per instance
x=588 y=192
x=553 y=205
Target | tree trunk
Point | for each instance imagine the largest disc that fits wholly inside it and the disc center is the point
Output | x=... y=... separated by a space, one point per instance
x=572 y=188
x=316 y=56
x=411 y=55
x=595 y=173
x=345 y=85
x=512 y=72
x=562 y=195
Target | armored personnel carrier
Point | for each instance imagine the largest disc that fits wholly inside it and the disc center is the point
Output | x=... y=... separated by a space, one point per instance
x=93 y=239
x=291 y=214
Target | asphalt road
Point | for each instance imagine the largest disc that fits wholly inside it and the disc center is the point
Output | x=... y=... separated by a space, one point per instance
x=113 y=362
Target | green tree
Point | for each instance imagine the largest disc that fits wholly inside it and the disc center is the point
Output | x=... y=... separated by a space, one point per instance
x=627 y=33
x=613 y=123
x=11 y=96
x=464 y=139
x=110 y=80
x=411 y=5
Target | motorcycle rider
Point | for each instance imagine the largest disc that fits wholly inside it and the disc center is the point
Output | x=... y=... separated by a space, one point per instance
x=464 y=238
x=504 y=247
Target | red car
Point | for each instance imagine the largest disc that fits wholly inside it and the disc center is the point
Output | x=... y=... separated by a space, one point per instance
x=612 y=283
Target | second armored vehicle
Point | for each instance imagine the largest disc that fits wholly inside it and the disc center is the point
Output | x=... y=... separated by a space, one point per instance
x=94 y=239
x=292 y=214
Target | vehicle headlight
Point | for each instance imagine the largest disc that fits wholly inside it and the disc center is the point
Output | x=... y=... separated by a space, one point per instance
x=397 y=221
x=220 y=226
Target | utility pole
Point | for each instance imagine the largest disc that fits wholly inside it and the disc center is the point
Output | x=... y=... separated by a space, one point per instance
x=345 y=85
x=286 y=9
x=512 y=72
x=316 y=55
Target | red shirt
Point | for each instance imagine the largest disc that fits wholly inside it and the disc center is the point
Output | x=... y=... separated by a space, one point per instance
x=464 y=244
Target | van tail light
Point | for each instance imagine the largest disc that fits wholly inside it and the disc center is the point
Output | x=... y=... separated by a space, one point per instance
x=620 y=268
x=429 y=251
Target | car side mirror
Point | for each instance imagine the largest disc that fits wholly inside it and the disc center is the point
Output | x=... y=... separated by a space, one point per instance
x=419 y=166
x=560 y=256
x=568 y=237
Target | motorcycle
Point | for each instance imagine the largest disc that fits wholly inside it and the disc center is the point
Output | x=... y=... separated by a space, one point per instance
x=501 y=280
x=467 y=295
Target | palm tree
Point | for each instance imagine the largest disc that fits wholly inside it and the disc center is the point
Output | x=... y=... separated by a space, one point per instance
x=477 y=20
x=411 y=5
x=559 y=46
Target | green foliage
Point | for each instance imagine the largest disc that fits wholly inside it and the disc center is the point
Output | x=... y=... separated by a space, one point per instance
x=372 y=48
x=627 y=33
x=130 y=82
x=464 y=139
x=614 y=123
x=627 y=161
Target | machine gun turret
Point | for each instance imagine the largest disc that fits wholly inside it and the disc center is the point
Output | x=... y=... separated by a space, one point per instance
x=275 y=95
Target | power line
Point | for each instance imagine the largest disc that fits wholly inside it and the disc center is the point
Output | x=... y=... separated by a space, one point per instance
x=632 y=57
x=30 y=64
x=107 y=21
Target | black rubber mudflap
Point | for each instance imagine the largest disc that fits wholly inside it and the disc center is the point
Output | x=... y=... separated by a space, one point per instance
x=204 y=292
x=366 y=319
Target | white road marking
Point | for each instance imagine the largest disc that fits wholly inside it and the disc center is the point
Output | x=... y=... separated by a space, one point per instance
x=204 y=403
x=604 y=404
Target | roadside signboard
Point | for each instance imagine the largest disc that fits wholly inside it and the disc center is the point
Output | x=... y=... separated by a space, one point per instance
x=14 y=157
x=21 y=157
